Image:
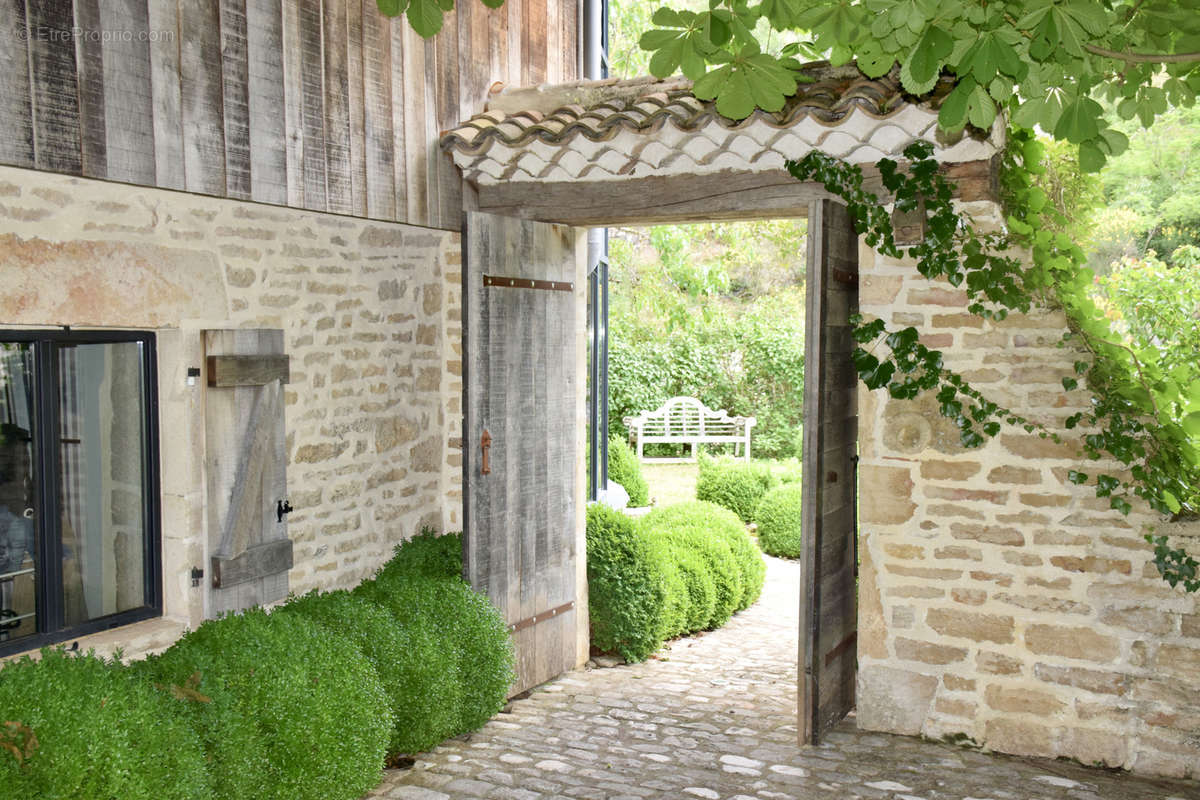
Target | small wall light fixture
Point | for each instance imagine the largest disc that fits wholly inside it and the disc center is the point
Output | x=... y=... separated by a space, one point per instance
x=192 y=374
x=197 y=575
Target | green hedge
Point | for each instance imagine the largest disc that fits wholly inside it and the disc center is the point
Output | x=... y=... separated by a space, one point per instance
x=779 y=521
x=736 y=485
x=472 y=647
x=79 y=728
x=420 y=691
x=682 y=569
x=301 y=704
x=428 y=554
x=627 y=586
x=625 y=469
x=723 y=524
x=290 y=711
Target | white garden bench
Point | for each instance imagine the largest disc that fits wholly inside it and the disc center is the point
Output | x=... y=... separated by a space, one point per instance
x=685 y=420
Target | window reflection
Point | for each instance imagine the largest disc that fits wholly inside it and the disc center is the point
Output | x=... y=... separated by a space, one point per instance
x=101 y=492
x=18 y=605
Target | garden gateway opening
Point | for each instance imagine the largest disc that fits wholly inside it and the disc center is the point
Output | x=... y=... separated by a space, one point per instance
x=645 y=152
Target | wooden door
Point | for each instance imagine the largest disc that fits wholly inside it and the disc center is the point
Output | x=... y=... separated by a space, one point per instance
x=828 y=596
x=520 y=433
x=246 y=469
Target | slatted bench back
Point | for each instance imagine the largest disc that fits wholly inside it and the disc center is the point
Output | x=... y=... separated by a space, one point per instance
x=686 y=420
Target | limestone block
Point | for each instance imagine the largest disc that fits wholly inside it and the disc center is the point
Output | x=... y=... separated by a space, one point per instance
x=885 y=494
x=893 y=700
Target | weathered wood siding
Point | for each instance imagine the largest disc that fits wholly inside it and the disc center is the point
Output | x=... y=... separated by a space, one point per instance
x=317 y=104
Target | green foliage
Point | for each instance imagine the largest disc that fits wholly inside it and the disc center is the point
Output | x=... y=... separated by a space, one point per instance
x=1143 y=416
x=289 y=711
x=681 y=569
x=717 y=556
x=405 y=657
x=720 y=523
x=427 y=554
x=625 y=469
x=627 y=588
x=779 y=521
x=713 y=312
x=462 y=677
x=472 y=649
x=424 y=16
x=1158 y=308
x=1155 y=188
x=736 y=485
x=699 y=599
x=79 y=728
x=676 y=610
x=1047 y=63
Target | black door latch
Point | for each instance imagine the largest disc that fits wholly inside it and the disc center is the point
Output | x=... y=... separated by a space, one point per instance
x=282 y=507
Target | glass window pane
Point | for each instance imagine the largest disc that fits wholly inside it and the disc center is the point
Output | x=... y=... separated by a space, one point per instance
x=102 y=398
x=18 y=605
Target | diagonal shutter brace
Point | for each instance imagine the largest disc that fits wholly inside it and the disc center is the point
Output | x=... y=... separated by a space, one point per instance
x=529 y=622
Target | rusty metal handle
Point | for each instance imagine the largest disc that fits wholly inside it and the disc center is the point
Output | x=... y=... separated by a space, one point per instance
x=485 y=444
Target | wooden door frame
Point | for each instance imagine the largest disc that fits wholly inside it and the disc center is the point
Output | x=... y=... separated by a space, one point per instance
x=673 y=200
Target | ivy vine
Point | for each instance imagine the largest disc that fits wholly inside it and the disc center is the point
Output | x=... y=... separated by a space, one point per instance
x=1140 y=416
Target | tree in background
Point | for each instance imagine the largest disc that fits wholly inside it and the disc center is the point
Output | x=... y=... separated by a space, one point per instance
x=714 y=312
x=1152 y=191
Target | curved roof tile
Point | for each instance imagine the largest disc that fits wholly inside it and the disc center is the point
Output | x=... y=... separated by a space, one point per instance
x=585 y=119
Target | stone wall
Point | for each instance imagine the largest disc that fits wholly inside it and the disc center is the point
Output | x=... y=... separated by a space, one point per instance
x=370 y=312
x=1000 y=604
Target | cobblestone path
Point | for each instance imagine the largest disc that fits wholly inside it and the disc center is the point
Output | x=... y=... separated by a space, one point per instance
x=714 y=718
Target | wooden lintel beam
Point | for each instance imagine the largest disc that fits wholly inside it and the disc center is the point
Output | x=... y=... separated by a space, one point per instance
x=719 y=196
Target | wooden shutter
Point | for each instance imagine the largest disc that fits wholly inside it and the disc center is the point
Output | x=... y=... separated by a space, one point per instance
x=521 y=399
x=828 y=597
x=246 y=468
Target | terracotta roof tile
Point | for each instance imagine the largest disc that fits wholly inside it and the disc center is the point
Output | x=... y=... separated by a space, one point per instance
x=840 y=112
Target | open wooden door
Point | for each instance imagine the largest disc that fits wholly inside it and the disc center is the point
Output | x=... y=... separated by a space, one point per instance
x=828 y=593
x=520 y=433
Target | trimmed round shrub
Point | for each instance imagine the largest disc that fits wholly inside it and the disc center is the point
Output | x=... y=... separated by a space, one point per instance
x=735 y=485
x=625 y=469
x=676 y=610
x=697 y=582
x=286 y=709
x=722 y=566
x=715 y=521
x=428 y=554
x=779 y=521
x=627 y=588
x=75 y=727
x=473 y=648
x=403 y=657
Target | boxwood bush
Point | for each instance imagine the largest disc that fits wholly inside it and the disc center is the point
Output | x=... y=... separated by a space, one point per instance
x=75 y=727
x=419 y=688
x=722 y=566
x=723 y=524
x=736 y=485
x=299 y=704
x=698 y=584
x=428 y=554
x=779 y=519
x=472 y=646
x=627 y=586
x=625 y=469
x=287 y=709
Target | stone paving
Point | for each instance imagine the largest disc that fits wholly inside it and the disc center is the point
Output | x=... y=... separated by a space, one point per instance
x=714 y=718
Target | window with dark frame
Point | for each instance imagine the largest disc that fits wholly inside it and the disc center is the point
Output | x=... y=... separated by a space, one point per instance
x=79 y=508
